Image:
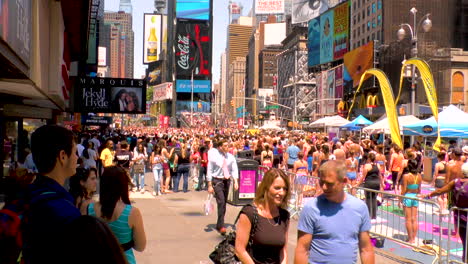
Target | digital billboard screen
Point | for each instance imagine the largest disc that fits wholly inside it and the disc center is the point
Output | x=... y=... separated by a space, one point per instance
x=192 y=49
x=110 y=95
x=199 y=86
x=193 y=9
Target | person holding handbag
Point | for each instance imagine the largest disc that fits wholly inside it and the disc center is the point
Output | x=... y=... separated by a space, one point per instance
x=268 y=245
x=157 y=167
x=139 y=158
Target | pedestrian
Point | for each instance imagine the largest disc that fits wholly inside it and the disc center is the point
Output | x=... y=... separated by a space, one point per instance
x=458 y=187
x=83 y=186
x=411 y=187
x=89 y=156
x=222 y=166
x=115 y=209
x=202 y=185
x=322 y=236
x=107 y=154
x=51 y=206
x=157 y=168
x=290 y=156
x=139 y=168
x=396 y=164
x=269 y=243
x=182 y=165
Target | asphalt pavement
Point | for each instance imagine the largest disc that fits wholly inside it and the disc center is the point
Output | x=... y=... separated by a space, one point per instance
x=178 y=231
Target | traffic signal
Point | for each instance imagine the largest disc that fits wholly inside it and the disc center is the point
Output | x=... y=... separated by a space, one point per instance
x=232 y=102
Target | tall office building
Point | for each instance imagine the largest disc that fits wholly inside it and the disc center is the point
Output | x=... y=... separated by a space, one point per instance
x=126 y=6
x=121 y=44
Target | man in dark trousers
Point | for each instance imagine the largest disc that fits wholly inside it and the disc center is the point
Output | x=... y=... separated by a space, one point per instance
x=51 y=207
x=222 y=167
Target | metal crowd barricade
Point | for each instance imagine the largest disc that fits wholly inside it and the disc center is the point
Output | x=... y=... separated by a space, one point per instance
x=303 y=188
x=390 y=222
x=457 y=249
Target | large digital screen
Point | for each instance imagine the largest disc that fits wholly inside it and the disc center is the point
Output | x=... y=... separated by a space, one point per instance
x=152 y=38
x=193 y=9
x=110 y=95
x=199 y=86
x=192 y=49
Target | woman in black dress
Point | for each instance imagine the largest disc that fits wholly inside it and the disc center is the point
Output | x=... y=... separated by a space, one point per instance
x=269 y=242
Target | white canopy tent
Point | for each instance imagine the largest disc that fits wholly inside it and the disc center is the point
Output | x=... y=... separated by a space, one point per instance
x=330 y=121
x=270 y=126
x=383 y=125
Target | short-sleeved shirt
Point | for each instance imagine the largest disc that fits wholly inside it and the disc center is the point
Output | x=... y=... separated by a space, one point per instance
x=107 y=157
x=270 y=236
x=292 y=154
x=334 y=242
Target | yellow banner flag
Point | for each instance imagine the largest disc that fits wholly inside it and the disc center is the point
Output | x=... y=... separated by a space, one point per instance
x=429 y=87
x=389 y=102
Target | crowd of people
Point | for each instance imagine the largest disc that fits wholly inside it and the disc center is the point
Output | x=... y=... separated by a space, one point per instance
x=68 y=169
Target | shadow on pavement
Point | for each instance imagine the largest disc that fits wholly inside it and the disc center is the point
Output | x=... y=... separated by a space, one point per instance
x=193 y=214
x=177 y=199
x=400 y=237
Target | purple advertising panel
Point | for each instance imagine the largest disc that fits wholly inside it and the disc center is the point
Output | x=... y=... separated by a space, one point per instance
x=247 y=184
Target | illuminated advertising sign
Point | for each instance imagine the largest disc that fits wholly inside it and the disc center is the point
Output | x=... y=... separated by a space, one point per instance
x=356 y=62
x=193 y=9
x=110 y=95
x=341 y=29
x=265 y=7
x=313 y=42
x=192 y=49
x=162 y=92
x=152 y=38
x=199 y=86
x=326 y=37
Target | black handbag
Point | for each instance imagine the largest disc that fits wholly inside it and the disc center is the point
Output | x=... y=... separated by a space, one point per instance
x=224 y=252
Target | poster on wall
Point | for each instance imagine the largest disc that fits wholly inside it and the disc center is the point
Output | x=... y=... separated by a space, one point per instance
x=152 y=37
x=324 y=92
x=193 y=9
x=247 y=184
x=341 y=29
x=110 y=95
x=313 y=42
x=266 y=7
x=192 y=49
x=330 y=104
x=338 y=82
x=326 y=37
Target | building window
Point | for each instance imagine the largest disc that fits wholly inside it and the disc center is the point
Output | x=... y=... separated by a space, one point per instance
x=359 y=43
x=368 y=25
x=362 y=29
x=378 y=35
x=359 y=4
x=379 y=20
x=354 y=33
x=373 y=35
x=368 y=38
x=358 y=31
x=359 y=17
x=458 y=87
x=354 y=5
x=363 y=14
x=368 y=11
x=373 y=23
x=373 y=8
x=354 y=20
x=379 y=4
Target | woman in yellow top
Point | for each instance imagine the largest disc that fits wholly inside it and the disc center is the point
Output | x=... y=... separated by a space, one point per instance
x=107 y=154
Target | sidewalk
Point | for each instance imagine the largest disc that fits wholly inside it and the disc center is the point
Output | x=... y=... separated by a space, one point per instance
x=178 y=231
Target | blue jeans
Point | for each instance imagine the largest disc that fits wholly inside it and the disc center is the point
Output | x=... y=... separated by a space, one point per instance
x=139 y=180
x=182 y=170
x=157 y=173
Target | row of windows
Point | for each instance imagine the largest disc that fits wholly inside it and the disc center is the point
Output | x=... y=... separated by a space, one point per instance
x=370 y=25
x=357 y=18
x=369 y=38
x=357 y=3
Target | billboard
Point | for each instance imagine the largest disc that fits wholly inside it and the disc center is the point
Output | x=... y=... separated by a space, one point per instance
x=154 y=73
x=303 y=10
x=324 y=89
x=328 y=36
x=265 y=7
x=102 y=54
x=330 y=104
x=199 y=86
x=341 y=29
x=313 y=42
x=162 y=92
x=110 y=95
x=192 y=49
x=193 y=9
x=198 y=106
x=275 y=33
x=94 y=120
x=356 y=62
x=339 y=82
x=152 y=40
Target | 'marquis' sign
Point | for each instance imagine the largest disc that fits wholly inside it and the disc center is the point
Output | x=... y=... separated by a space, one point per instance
x=110 y=95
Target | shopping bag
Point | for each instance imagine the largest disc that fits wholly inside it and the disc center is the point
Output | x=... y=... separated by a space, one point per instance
x=209 y=204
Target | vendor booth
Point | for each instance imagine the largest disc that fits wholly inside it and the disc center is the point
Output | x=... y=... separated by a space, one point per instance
x=357 y=124
x=383 y=126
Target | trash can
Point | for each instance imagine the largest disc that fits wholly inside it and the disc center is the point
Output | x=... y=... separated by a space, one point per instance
x=248 y=182
x=245 y=154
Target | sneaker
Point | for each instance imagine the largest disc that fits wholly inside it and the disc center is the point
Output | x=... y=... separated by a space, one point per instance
x=154 y=193
x=142 y=191
x=159 y=193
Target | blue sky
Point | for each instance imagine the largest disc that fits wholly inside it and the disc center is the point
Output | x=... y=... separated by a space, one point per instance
x=220 y=21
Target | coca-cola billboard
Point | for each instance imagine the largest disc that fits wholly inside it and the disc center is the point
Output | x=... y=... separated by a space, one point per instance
x=192 y=49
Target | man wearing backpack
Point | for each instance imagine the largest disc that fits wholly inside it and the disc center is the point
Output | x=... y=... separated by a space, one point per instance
x=51 y=207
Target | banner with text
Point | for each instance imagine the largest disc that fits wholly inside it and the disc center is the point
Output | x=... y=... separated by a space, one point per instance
x=265 y=7
x=110 y=95
x=199 y=86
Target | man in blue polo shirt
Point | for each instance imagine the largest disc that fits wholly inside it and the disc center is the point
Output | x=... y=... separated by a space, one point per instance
x=51 y=207
x=291 y=154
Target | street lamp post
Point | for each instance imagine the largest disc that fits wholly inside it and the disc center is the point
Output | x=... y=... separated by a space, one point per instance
x=426 y=24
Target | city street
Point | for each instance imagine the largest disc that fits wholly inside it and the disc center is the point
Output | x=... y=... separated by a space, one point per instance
x=178 y=231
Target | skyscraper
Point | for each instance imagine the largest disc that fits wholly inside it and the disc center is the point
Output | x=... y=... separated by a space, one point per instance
x=121 y=42
x=126 y=6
